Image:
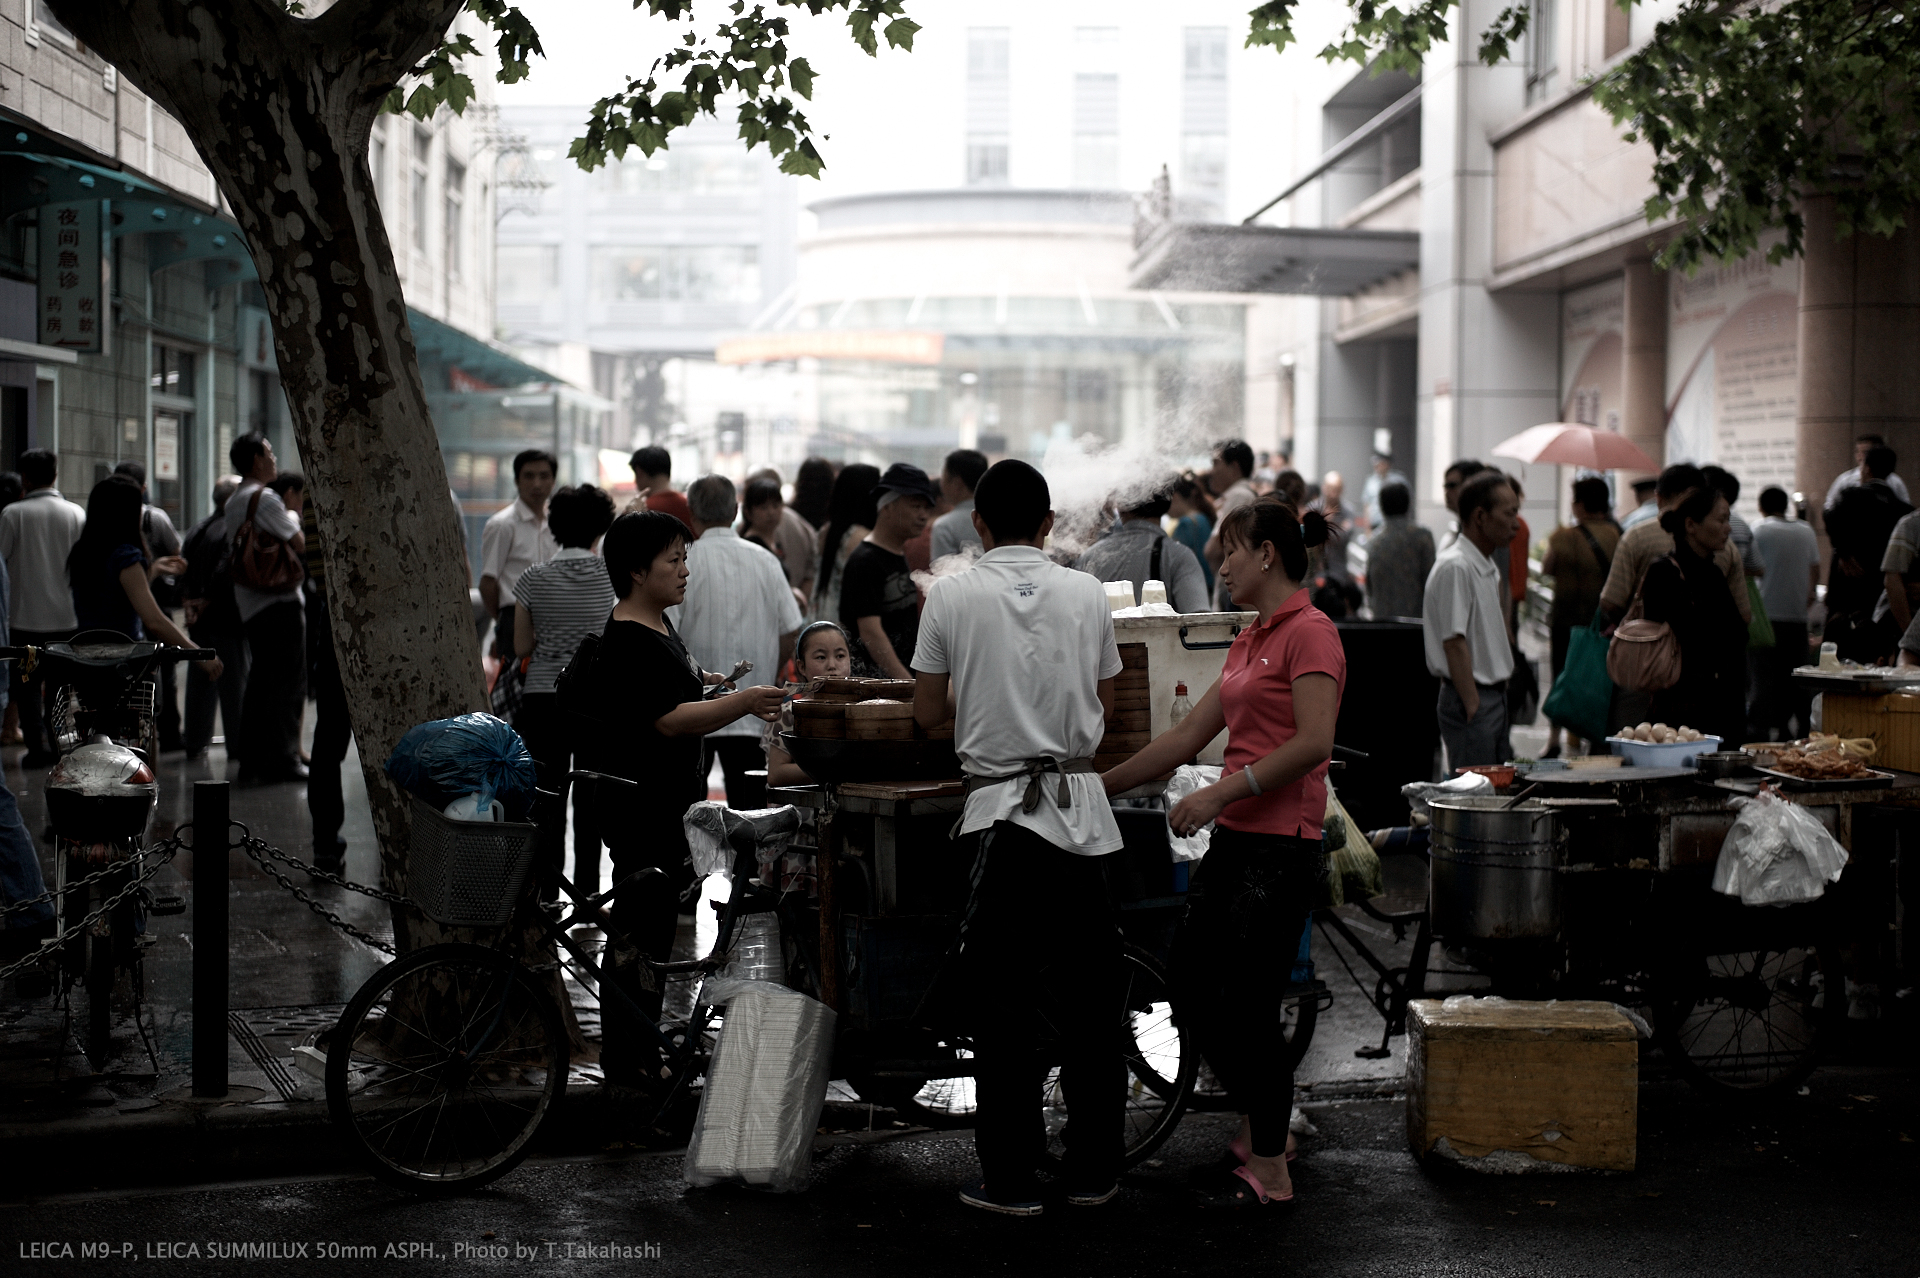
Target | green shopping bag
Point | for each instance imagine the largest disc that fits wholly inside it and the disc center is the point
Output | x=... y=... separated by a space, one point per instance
x=1583 y=694
x=1760 y=629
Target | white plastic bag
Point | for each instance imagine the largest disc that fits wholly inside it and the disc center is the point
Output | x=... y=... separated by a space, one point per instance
x=1777 y=854
x=1185 y=780
x=1419 y=793
x=764 y=1089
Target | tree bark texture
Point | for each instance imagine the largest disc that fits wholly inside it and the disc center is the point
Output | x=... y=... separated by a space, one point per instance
x=280 y=109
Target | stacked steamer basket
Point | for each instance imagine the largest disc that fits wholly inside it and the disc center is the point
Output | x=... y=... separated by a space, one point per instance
x=1129 y=726
x=880 y=719
x=822 y=712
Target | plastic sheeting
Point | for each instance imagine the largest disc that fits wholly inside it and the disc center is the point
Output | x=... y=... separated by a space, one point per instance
x=469 y=754
x=764 y=1089
x=1185 y=780
x=1777 y=853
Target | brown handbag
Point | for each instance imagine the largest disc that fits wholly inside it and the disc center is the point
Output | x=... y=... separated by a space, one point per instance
x=1644 y=656
x=261 y=562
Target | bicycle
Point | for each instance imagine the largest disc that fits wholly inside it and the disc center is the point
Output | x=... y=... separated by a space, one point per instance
x=101 y=795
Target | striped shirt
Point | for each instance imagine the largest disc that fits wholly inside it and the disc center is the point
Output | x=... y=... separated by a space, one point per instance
x=568 y=598
x=738 y=605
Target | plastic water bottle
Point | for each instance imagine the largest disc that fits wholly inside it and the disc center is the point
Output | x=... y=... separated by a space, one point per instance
x=1182 y=705
x=756 y=954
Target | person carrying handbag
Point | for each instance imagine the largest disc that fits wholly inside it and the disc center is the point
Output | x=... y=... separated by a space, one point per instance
x=1578 y=558
x=264 y=550
x=1687 y=591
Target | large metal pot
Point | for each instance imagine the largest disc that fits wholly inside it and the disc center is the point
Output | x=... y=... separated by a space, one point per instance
x=1495 y=869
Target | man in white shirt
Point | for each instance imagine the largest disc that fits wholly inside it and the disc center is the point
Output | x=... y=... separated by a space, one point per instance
x=36 y=535
x=275 y=624
x=515 y=539
x=1857 y=473
x=1465 y=625
x=1026 y=647
x=953 y=531
x=1645 y=491
x=738 y=608
x=1228 y=482
x=1383 y=474
x=1792 y=557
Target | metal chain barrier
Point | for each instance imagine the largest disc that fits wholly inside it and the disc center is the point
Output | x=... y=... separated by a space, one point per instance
x=47 y=897
x=161 y=853
x=264 y=855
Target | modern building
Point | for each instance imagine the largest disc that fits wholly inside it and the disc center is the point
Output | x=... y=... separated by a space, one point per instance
x=1468 y=256
x=132 y=326
x=625 y=279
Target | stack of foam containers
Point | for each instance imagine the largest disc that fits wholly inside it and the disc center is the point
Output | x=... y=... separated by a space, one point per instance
x=764 y=1090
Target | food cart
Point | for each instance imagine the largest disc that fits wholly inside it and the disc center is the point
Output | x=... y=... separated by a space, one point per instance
x=1596 y=883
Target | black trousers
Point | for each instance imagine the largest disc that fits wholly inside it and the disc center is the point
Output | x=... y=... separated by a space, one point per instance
x=647 y=914
x=204 y=695
x=551 y=740
x=1247 y=904
x=31 y=695
x=1041 y=960
x=737 y=756
x=276 y=691
x=332 y=731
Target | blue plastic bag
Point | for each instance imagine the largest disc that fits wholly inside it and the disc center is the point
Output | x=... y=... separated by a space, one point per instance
x=469 y=754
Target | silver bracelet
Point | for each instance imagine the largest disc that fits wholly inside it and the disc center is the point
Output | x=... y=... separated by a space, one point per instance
x=1252 y=784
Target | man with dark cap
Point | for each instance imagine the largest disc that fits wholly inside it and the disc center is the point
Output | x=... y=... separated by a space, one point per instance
x=879 y=604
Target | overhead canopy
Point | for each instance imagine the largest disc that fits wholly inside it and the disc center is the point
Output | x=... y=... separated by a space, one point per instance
x=1316 y=261
x=441 y=346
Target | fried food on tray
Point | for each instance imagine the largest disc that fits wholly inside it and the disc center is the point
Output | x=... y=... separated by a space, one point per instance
x=1827 y=764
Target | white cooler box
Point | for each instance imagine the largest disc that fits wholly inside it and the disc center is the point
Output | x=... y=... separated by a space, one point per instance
x=1189 y=649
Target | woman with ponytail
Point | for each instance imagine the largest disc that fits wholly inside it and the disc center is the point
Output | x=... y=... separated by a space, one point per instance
x=1248 y=902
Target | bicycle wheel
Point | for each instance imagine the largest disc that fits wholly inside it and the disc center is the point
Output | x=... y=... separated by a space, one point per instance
x=1161 y=1064
x=1743 y=1023
x=943 y=1103
x=443 y=1067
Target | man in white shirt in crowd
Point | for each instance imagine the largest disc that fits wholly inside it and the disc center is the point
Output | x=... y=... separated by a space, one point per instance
x=1856 y=474
x=1382 y=474
x=1791 y=554
x=1646 y=492
x=515 y=539
x=953 y=531
x=36 y=534
x=1465 y=625
x=1139 y=551
x=275 y=624
x=738 y=608
x=1228 y=482
x=1026 y=648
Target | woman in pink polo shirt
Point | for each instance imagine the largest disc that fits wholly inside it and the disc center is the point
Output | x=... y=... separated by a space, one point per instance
x=1277 y=697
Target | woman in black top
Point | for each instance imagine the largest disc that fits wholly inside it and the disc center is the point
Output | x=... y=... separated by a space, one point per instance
x=110 y=569
x=1688 y=591
x=649 y=723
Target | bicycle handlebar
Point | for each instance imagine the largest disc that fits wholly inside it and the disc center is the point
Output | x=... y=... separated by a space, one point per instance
x=153 y=653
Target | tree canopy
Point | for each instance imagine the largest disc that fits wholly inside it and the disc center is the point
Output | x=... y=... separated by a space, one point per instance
x=1750 y=109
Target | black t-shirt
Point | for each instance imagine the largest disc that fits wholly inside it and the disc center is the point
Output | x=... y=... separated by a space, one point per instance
x=640 y=675
x=878 y=583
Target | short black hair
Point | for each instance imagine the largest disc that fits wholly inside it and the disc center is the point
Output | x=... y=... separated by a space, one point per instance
x=1723 y=481
x=1466 y=468
x=287 y=481
x=1679 y=478
x=576 y=516
x=1871 y=441
x=1477 y=494
x=1773 y=500
x=38 y=467
x=245 y=451
x=635 y=541
x=651 y=460
x=134 y=470
x=1880 y=461
x=1395 y=499
x=528 y=457
x=1012 y=499
x=760 y=492
x=1239 y=453
x=967 y=465
x=1643 y=487
x=1592 y=494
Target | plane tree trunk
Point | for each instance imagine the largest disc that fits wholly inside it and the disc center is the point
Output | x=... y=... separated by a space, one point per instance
x=280 y=109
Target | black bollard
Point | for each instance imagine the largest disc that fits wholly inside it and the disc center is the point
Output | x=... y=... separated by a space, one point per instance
x=210 y=938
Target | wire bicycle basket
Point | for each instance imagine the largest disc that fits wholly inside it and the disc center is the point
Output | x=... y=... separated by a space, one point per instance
x=467 y=873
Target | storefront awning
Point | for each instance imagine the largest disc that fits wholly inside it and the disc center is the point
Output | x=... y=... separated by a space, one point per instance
x=464 y=361
x=1315 y=261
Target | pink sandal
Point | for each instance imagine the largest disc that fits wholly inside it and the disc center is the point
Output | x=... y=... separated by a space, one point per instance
x=1241 y=1188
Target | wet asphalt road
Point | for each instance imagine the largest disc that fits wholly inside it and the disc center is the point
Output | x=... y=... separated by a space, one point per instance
x=1823 y=1184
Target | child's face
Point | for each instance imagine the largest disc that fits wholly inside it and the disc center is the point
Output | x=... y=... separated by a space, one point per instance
x=826 y=656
